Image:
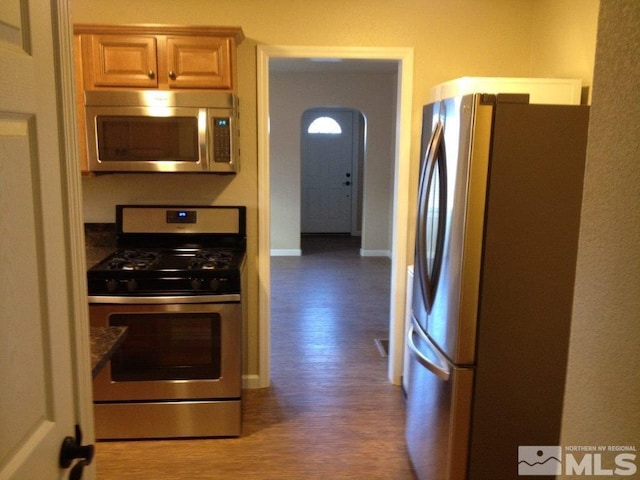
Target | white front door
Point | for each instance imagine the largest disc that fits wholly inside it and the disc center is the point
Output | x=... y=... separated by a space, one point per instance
x=38 y=386
x=327 y=171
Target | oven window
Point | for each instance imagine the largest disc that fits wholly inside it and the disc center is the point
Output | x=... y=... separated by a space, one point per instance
x=167 y=346
x=170 y=139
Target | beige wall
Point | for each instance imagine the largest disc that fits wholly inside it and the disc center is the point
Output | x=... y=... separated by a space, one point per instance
x=563 y=39
x=450 y=38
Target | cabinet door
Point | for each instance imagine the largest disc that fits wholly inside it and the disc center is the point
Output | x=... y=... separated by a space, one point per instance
x=199 y=62
x=122 y=61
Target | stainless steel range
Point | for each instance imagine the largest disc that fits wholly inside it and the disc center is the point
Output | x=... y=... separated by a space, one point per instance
x=175 y=282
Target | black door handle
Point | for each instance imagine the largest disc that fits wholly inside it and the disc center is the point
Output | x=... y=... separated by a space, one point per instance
x=76 y=471
x=347 y=183
x=72 y=449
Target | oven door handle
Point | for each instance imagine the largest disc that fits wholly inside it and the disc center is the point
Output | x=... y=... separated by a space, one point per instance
x=164 y=299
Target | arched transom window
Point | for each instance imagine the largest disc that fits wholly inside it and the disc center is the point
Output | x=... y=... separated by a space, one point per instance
x=325 y=125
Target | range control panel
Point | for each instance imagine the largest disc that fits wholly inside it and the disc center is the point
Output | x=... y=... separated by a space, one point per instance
x=182 y=216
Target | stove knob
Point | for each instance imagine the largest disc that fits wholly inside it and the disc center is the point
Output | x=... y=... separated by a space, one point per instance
x=112 y=285
x=214 y=284
x=132 y=285
x=196 y=283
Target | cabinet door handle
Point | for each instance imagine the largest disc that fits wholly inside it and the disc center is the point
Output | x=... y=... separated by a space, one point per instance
x=172 y=75
x=151 y=74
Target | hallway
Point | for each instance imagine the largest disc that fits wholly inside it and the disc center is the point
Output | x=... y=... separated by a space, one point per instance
x=330 y=412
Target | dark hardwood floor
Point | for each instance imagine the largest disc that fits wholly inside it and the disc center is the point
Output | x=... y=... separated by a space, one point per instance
x=330 y=412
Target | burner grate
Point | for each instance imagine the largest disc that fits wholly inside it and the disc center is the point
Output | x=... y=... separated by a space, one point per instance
x=133 y=260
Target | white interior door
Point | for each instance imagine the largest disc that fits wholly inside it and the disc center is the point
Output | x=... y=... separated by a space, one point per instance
x=327 y=171
x=39 y=390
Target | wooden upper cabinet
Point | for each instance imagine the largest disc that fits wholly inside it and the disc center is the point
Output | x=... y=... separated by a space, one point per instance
x=158 y=56
x=199 y=62
x=121 y=61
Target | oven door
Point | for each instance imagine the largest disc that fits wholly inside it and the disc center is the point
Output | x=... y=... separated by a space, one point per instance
x=171 y=352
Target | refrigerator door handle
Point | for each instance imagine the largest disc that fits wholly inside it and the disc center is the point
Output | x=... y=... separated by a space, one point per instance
x=428 y=277
x=442 y=371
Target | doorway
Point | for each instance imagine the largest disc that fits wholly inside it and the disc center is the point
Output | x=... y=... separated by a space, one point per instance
x=402 y=59
x=332 y=146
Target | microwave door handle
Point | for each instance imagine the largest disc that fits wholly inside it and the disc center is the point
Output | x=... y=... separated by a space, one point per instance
x=442 y=371
x=203 y=133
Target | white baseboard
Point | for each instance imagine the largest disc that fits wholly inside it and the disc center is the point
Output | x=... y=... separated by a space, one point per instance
x=251 y=381
x=375 y=253
x=286 y=252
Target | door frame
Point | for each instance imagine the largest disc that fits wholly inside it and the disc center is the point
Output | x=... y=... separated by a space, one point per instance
x=402 y=162
x=72 y=192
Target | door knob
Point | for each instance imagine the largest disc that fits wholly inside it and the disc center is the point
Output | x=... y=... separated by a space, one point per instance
x=346 y=183
x=72 y=449
x=172 y=75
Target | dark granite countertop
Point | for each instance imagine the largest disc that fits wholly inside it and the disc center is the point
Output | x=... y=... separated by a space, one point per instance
x=104 y=343
x=100 y=241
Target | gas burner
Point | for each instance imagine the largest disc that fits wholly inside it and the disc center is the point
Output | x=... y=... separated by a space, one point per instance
x=215 y=255
x=133 y=260
x=210 y=260
x=205 y=265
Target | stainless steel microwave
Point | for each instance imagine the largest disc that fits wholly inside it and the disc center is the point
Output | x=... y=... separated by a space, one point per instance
x=162 y=131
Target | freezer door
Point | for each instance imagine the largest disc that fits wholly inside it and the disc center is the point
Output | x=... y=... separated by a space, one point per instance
x=451 y=323
x=438 y=411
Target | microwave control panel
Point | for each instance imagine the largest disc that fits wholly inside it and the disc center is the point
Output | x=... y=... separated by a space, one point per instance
x=222 y=139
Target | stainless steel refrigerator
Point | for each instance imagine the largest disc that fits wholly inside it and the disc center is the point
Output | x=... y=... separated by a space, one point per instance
x=496 y=242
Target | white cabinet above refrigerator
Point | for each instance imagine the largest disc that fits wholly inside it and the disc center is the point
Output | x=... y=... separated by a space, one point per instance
x=555 y=91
